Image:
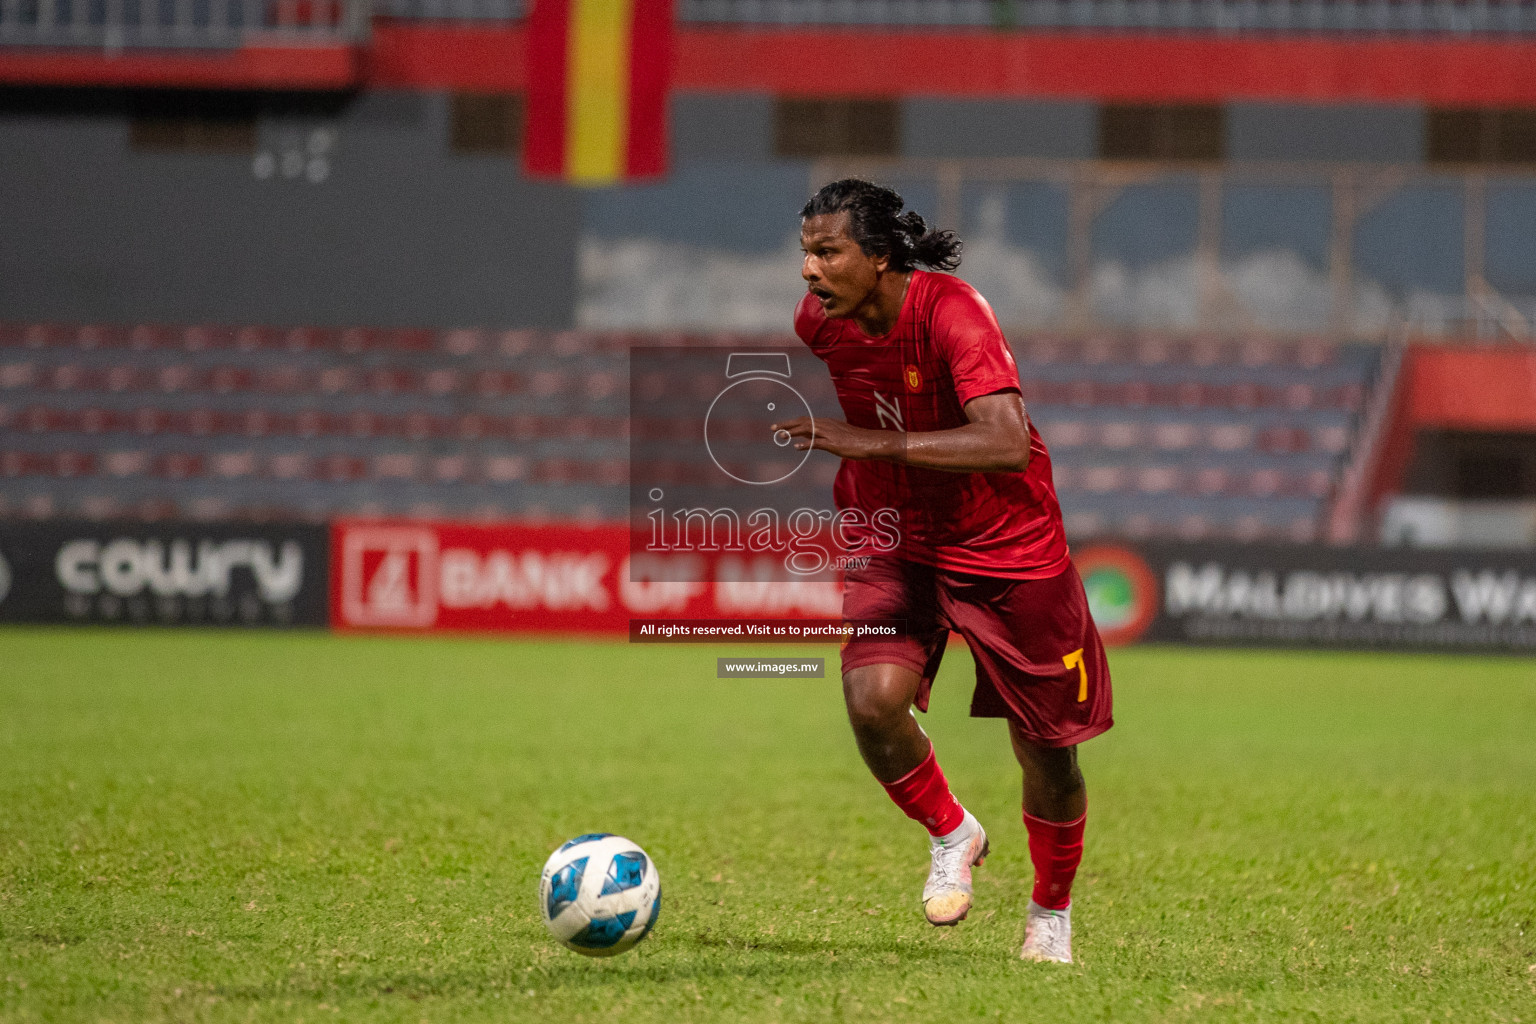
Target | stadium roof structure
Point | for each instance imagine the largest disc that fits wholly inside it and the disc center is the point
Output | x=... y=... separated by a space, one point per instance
x=1426 y=52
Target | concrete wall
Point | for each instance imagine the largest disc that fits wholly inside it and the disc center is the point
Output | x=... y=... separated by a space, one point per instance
x=1345 y=132
x=397 y=231
x=999 y=128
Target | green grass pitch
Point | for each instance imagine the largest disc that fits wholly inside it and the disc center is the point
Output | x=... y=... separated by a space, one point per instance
x=201 y=826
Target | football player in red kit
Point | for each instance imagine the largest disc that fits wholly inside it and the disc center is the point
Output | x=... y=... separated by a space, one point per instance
x=937 y=430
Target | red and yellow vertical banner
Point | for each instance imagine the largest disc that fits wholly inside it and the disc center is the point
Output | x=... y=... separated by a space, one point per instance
x=598 y=78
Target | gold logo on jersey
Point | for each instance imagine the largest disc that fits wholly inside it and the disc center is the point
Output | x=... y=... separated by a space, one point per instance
x=914 y=379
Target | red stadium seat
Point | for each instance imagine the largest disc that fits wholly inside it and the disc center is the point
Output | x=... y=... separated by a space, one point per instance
x=411 y=341
x=40 y=419
x=1193 y=527
x=1190 y=395
x=1158 y=479
x=1121 y=434
x=1229 y=437
x=125 y=463
x=441 y=381
x=255 y=339
x=205 y=338
x=1153 y=351
x=1299 y=396
x=209 y=508
x=462 y=342
x=290 y=466
x=125 y=377
x=1175 y=436
x=1302 y=531
x=1258 y=352
x=611 y=472
x=39 y=506
x=234 y=465
x=397 y=466
x=449 y=469
x=179 y=465
x=1211 y=480
x=503 y=469
x=341 y=468
x=1248 y=529
x=1313 y=353
x=1281 y=440
x=177 y=377
x=100 y=506
x=448 y=386
x=1139 y=526
x=18 y=374
x=1206 y=352
x=1136 y=394
x=101 y=421
x=149 y=421
x=1066 y=433
x=1264 y=483
x=1103 y=479
x=1081 y=525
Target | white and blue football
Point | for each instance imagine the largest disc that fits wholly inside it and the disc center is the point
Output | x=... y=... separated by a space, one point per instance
x=600 y=894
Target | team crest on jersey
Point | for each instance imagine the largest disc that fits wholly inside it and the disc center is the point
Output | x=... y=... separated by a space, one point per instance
x=914 y=378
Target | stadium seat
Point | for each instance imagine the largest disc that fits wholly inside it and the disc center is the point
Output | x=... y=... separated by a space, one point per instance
x=1151 y=434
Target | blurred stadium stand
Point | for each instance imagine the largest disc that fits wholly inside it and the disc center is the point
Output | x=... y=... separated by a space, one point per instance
x=223 y=22
x=199 y=24
x=1228 y=16
x=1459 y=16
x=1208 y=261
x=453 y=10
x=1152 y=436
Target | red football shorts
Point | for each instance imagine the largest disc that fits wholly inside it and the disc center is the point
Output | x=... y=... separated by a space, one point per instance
x=1039 y=659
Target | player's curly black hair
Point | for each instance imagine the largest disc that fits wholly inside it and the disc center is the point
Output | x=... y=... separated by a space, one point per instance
x=876 y=222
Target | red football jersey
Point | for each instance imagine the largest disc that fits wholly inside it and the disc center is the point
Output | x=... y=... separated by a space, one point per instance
x=945 y=349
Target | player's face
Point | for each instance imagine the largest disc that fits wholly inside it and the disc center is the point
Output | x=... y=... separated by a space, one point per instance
x=840 y=274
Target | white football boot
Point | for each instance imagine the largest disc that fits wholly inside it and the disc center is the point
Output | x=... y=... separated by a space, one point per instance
x=947 y=896
x=1047 y=935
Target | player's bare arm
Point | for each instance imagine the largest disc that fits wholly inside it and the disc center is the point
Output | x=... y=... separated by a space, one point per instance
x=996 y=440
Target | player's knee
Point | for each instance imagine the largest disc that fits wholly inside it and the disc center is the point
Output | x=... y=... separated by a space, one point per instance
x=1065 y=780
x=872 y=707
x=1052 y=770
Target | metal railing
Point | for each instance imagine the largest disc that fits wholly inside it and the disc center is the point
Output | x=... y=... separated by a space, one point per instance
x=1223 y=281
x=453 y=10
x=184 y=24
x=1460 y=17
x=1482 y=315
x=1223 y=16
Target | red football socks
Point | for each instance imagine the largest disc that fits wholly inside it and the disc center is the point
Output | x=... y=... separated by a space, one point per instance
x=923 y=795
x=1056 y=849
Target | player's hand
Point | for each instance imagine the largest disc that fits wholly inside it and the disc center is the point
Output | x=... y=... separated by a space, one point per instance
x=834 y=436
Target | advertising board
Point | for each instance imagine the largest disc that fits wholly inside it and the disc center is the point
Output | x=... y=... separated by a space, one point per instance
x=568 y=579
x=172 y=574
x=1312 y=596
x=543 y=579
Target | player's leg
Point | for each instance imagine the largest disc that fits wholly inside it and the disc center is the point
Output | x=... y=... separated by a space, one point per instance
x=879 y=698
x=883 y=678
x=1040 y=665
x=1053 y=783
x=1055 y=813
